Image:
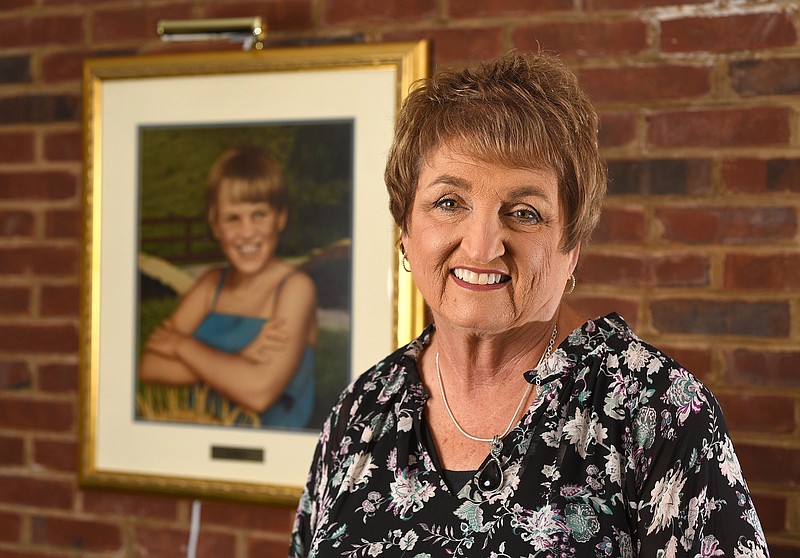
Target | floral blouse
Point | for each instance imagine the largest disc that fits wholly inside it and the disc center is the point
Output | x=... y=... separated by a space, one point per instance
x=623 y=453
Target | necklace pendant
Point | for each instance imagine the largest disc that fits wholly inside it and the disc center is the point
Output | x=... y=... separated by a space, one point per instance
x=490 y=476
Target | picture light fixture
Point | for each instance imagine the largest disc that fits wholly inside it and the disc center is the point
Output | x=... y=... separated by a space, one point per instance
x=250 y=31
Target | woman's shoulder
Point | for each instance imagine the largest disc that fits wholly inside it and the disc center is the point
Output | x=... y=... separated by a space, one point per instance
x=636 y=377
x=612 y=340
x=392 y=379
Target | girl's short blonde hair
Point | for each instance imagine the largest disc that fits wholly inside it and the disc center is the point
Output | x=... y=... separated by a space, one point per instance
x=250 y=175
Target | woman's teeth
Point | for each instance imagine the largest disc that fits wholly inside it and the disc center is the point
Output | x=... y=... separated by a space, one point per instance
x=479 y=278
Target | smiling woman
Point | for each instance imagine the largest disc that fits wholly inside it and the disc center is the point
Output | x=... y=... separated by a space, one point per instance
x=244 y=334
x=515 y=425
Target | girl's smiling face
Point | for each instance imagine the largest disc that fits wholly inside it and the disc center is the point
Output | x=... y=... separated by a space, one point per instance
x=247 y=232
x=483 y=241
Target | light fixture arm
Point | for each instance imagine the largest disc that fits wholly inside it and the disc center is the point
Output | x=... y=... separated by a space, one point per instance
x=250 y=31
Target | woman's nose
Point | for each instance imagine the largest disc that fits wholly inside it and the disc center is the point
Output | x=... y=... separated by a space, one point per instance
x=483 y=238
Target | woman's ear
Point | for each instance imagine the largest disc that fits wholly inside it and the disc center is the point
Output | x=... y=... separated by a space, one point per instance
x=574 y=257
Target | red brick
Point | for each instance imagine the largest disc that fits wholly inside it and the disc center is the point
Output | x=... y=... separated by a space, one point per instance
x=779 y=369
x=499 y=8
x=450 y=45
x=55 y=455
x=153 y=541
x=777 y=272
x=12 y=452
x=16 y=147
x=776 y=76
x=58 y=378
x=727 y=225
x=280 y=15
x=63 y=66
x=33 y=31
x=771 y=509
x=635 y=4
x=620 y=226
x=16 y=223
x=769 y=465
x=721 y=317
x=38 y=109
x=617 y=129
x=697 y=361
x=33 y=338
x=249 y=516
x=645 y=84
x=37 y=185
x=783 y=549
x=36 y=491
x=63 y=223
x=81 y=3
x=144 y=506
x=592 y=306
x=762 y=175
x=680 y=270
x=10 y=525
x=728 y=33
x=770 y=414
x=63 y=146
x=15 y=300
x=589 y=38
x=86 y=535
x=677 y=270
x=61 y=300
x=760 y=126
x=117 y=25
x=618 y=269
x=39 y=260
x=36 y=414
x=388 y=11
x=14 y=4
x=659 y=176
x=14 y=375
x=268 y=547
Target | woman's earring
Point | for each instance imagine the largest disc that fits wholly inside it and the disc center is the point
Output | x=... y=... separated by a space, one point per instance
x=405 y=263
x=572 y=286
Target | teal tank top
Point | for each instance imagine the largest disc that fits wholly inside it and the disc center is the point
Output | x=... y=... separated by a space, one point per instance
x=232 y=333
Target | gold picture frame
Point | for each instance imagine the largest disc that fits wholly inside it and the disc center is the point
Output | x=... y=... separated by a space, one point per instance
x=361 y=85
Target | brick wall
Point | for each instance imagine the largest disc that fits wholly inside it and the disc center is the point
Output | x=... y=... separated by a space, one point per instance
x=698 y=248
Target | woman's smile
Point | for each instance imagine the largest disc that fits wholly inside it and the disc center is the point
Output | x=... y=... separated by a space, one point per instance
x=473 y=278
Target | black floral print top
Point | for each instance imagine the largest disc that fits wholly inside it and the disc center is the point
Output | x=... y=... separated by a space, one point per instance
x=623 y=453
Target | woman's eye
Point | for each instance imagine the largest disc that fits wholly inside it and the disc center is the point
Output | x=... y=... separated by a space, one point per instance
x=446 y=203
x=526 y=214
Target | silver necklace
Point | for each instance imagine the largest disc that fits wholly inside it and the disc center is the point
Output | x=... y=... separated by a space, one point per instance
x=490 y=476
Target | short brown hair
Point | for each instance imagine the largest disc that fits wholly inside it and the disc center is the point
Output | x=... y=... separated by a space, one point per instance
x=521 y=110
x=251 y=175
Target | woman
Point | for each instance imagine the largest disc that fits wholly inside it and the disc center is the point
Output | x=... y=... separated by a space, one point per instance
x=248 y=329
x=515 y=425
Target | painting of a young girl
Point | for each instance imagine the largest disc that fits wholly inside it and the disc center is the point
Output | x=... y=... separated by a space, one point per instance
x=247 y=330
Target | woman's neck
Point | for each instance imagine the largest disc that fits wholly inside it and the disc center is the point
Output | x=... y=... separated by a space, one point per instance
x=476 y=359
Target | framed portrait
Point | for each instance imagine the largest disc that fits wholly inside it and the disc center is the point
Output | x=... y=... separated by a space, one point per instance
x=171 y=227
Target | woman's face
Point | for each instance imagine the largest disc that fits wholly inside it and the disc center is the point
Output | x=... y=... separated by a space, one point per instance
x=247 y=233
x=483 y=243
